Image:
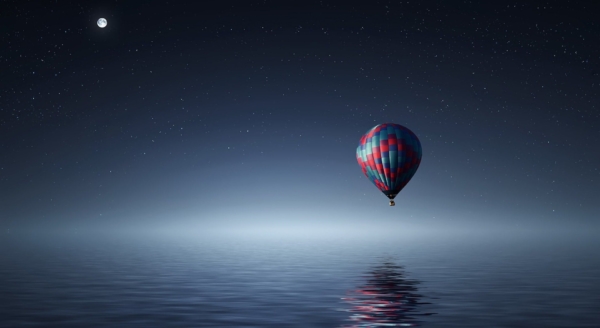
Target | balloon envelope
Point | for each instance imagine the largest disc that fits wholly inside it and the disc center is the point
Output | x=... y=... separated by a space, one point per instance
x=389 y=155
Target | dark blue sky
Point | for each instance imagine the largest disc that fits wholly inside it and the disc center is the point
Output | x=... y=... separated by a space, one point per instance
x=247 y=114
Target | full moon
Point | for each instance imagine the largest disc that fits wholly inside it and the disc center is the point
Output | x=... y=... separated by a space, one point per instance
x=102 y=22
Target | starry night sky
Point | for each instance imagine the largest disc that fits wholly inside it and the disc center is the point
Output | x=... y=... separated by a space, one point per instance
x=247 y=114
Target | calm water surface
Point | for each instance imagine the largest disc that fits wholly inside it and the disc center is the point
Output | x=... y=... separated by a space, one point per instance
x=159 y=281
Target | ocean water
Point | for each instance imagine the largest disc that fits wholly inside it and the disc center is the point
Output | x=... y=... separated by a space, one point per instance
x=88 y=280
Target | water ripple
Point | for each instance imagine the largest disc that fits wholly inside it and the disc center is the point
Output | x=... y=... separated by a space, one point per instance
x=387 y=299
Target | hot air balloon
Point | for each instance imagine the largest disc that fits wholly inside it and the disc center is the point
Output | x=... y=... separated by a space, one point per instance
x=389 y=155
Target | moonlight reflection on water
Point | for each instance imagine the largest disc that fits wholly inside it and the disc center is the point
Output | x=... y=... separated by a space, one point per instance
x=387 y=299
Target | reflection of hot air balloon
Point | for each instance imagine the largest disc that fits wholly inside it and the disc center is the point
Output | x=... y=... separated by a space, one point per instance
x=389 y=155
x=387 y=299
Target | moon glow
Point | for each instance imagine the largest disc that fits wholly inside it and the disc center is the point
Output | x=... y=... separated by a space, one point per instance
x=102 y=22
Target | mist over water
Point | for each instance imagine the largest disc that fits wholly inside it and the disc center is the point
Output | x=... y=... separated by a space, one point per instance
x=295 y=278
